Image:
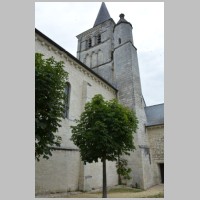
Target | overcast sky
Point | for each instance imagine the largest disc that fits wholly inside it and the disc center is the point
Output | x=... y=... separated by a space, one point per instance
x=63 y=21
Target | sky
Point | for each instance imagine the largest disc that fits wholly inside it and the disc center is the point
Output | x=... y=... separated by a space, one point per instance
x=63 y=21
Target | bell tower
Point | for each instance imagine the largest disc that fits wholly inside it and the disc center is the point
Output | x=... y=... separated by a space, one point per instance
x=108 y=49
x=95 y=46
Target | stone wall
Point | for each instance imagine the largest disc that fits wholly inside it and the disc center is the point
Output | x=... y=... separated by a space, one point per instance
x=58 y=174
x=127 y=77
x=99 y=56
x=156 y=141
x=64 y=170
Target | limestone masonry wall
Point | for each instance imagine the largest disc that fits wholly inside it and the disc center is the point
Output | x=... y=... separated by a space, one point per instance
x=64 y=170
x=156 y=140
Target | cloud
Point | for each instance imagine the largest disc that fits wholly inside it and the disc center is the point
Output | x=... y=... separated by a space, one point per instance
x=63 y=21
x=152 y=75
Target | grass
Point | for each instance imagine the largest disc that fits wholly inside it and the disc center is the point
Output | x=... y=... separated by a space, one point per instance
x=123 y=192
x=116 y=190
x=120 y=190
x=160 y=195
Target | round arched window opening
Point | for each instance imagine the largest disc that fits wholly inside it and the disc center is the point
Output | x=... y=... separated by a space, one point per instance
x=67 y=99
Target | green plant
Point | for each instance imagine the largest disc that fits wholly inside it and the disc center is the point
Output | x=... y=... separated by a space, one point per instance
x=50 y=80
x=122 y=170
x=104 y=131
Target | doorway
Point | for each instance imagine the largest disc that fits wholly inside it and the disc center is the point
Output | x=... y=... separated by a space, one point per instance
x=161 y=166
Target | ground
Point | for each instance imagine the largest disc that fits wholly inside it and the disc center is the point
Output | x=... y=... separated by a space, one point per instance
x=116 y=192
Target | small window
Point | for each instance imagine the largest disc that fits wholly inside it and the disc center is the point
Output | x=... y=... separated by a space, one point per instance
x=89 y=43
x=67 y=98
x=111 y=55
x=99 y=39
x=120 y=41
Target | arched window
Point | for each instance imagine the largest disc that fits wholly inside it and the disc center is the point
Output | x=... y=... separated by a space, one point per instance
x=98 y=38
x=89 y=42
x=94 y=59
x=67 y=99
x=100 y=59
x=87 y=60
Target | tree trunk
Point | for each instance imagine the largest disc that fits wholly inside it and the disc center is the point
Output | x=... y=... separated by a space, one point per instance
x=119 y=176
x=104 y=179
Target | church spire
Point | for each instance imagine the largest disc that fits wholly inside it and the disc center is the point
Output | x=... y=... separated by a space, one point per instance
x=103 y=15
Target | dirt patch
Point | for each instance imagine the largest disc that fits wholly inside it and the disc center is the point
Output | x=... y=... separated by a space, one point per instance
x=117 y=192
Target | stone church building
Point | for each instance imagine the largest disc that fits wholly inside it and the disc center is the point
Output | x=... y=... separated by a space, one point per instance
x=106 y=64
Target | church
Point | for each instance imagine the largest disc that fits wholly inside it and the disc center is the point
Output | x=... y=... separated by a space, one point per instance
x=106 y=64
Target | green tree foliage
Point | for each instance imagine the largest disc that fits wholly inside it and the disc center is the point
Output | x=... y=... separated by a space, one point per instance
x=104 y=131
x=123 y=170
x=50 y=80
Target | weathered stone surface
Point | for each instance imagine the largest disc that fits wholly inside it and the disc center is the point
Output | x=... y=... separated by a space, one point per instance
x=64 y=171
x=114 y=58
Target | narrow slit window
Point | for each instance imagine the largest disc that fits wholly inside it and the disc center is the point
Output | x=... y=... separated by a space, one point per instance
x=67 y=99
x=120 y=41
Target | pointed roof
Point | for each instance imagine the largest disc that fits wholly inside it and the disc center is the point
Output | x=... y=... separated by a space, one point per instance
x=122 y=20
x=103 y=15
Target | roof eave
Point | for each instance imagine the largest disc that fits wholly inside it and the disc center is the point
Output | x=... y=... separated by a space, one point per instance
x=71 y=56
x=153 y=125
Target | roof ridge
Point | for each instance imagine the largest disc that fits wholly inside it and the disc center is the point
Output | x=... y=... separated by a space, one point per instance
x=155 y=105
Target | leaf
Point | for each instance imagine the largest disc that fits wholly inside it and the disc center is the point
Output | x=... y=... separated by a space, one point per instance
x=50 y=80
x=105 y=130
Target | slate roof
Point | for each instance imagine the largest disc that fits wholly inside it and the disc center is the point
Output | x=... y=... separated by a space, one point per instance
x=103 y=15
x=155 y=115
x=122 y=20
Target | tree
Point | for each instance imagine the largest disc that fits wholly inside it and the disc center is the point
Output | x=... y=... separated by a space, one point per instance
x=122 y=170
x=104 y=131
x=50 y=80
